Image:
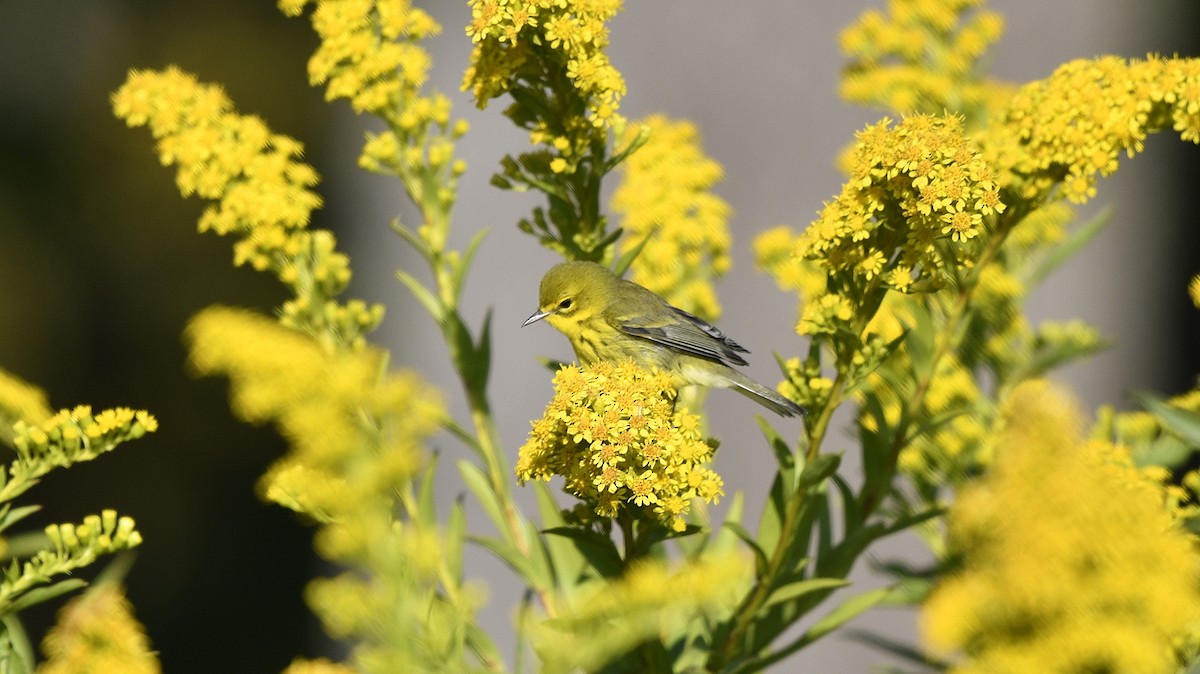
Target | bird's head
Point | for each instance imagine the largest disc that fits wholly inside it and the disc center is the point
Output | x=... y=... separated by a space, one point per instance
x=571 y=293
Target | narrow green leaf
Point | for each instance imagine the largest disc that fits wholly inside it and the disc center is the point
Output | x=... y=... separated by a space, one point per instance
x=480 y=643
x=622 y=264
x=597 y=548
x=1165 y=450
x=821 y=467
x=1181 y=422
x=851 y=512
x=411 y=238
x=519 y=562
x=1070 y=246
x=464 y=265
x=479 y=485
x=16 y=653
x=847 y=611
x=13 y=515
x=784 y=456
x=760 y=556
x=426 y=498
x=456 y=535
x=499 y=181
x=800 y=588
x=40 y=594
x=483 y=352
x=638 y=141
x=770 y=522
x=565 y=557
x=427 y=299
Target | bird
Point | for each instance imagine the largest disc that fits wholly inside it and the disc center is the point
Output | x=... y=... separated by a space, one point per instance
x=609 y=319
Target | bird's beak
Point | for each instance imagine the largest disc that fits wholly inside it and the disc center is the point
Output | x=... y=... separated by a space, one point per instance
x=537 y=316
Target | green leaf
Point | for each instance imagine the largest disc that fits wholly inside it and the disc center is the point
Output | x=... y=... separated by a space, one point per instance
x=40 y=594
x=1165 y=450
x=456 y=535
x=1181 y=422
x=627 y=258
x=760 y=556
x=851 y=512
x=1069 y=247
x=516 y=560
x=847 y=611
x=784 y=456
x=426 y=503
x=479 y=485
x=499 y=181
x=11 y=516
x=800 y=588
x=565 y=557
x=464 y=265
x=16 y=653
x=427 y=299
x=817 y=470
x=638 y=141
x=770 y=522
x=597 y=548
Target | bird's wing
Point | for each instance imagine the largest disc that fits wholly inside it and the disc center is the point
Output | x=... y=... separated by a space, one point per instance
x=676 y=329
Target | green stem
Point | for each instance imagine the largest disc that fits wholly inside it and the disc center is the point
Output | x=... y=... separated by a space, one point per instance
x=781 y=557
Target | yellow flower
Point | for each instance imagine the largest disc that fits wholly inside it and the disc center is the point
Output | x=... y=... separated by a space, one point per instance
x=666 y=194
x=516 y=39
x=97 y=634
x=613 y=434
x=1069 y=129
x=1068 y=563
x=922 y=56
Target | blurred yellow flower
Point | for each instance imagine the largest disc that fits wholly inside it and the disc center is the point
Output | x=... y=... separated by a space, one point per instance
x=1070 y=561
x=666 y=194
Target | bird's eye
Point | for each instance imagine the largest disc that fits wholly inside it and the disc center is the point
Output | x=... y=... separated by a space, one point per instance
x=565 y=304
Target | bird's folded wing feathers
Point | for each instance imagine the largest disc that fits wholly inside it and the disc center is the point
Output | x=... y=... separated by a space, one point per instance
x=686 y=333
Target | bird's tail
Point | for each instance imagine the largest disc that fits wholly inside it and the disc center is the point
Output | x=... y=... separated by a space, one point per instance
x=764 y=396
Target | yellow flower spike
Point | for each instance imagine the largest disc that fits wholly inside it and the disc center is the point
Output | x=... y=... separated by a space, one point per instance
x=635 y=456
x=98 y=633
x=1059 y=532
x=665 y=195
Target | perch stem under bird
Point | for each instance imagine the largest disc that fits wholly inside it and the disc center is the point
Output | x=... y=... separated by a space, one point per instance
x=610 y=319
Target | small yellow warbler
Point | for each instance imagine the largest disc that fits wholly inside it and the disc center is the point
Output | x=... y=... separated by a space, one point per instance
x=610 y=319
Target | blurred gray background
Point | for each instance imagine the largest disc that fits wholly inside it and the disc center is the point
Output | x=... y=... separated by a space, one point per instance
x=102 y=267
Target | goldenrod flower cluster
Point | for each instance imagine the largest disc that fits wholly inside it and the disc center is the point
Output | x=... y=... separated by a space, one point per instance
x=613 y=434
x=97 y=634
x=72 y=546
x=650 y=599
x=928 y=183
x=666 y=194
x=331 y=408
x=570 y=35
x=263 y=194
x=1070 y=128
x=923 y=56
x=1070 y=561
x=68 y=437
x=368 y=52
x=357 y=437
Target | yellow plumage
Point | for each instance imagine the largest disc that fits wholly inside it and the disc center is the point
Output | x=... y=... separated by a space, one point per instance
x=610 y=319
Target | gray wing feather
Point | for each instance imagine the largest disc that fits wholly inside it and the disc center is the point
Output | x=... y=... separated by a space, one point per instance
x=692 y=336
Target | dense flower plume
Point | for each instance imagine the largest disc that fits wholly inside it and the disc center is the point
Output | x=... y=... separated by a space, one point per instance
x=612 y=432
x=666 y=201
